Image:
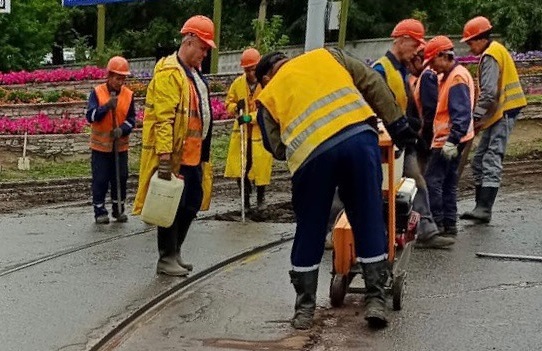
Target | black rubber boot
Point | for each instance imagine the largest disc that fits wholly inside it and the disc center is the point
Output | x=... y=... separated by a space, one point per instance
x=183 y=226
x=450 y=228
x=376 y=276
x=484 y=206
x=119 y=216
x=305 y=284
x=468 y=214
x=260 y=196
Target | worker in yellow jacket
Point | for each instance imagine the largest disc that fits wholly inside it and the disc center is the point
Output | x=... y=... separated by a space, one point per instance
x=499 y=103
x=259 y=162
x=176 y=138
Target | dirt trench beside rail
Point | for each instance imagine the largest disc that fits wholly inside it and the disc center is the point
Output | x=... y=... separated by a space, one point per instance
x=519 y=175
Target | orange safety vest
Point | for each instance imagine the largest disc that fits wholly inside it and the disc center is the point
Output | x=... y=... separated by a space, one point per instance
x=193 y=140
x=100 y=135
x=442 y=123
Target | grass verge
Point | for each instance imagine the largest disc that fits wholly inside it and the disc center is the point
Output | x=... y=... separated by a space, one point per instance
x=42 y=170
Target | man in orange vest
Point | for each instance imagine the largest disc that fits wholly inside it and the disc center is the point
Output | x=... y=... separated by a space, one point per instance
x=500 y=101
x=424 y=87
x=108 y=101
x=176 y=137
x=452 y=128
x=408 y=35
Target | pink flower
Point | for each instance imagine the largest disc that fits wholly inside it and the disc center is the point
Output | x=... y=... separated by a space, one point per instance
x=219 y=109
x=55 y=75
x=42 y=124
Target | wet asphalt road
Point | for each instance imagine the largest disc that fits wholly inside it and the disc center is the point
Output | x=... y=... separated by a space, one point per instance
x=67 y=302
x=454 y=300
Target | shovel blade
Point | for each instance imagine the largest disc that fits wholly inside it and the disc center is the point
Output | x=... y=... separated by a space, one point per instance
x=23 y=163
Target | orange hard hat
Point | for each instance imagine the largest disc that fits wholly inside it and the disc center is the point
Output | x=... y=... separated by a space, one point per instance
x=409 y=27
x=119 y=65
x=250 y=57
x=435 y=46
x=475 y=27
x=202 y=27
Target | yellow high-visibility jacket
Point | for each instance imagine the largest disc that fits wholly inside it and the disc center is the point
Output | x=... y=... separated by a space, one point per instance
x=511 y=94
x=262 y=161
x=312 y=97
x=165 y=123
x=395 y=82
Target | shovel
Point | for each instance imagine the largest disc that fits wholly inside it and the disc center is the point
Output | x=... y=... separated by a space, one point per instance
x=24 y=162
x=243 y=166
x=117 y=164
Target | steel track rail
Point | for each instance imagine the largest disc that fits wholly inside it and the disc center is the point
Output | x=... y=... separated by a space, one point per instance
x=117 y=335
x=30 y=263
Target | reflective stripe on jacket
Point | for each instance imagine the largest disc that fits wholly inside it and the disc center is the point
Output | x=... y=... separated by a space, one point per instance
x=100 y=134
x=395 y=82
x=443 y=121
x=319 y=102
x=262 y=161
x=511 y=94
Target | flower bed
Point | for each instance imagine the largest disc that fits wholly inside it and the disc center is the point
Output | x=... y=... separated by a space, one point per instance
x=55 y=123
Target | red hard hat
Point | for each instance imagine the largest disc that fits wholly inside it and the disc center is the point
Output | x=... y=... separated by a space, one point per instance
x=119 y=65
x=250 y=57
x=435 y=46
x=202 y=27
x=409 y=27
x=475 y=27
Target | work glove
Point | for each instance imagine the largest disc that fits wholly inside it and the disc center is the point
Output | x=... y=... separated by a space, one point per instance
x=116 y=133
x=244 y=119
x=112 y=103
x=449 y=150
x=240 y=106
x=401 y=133
x=164 y=169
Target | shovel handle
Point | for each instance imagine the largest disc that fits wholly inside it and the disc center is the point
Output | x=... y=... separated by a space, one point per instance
x=24 y=144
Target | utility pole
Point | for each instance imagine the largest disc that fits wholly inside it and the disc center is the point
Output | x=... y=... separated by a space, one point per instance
x=315 y=32
x=217 y=20
x=262 y=14
x=343 y=22
x=100 y=35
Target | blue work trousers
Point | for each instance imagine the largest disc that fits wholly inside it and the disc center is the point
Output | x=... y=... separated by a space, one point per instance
x=354 y=166
x=441 y=178
x=104 y=178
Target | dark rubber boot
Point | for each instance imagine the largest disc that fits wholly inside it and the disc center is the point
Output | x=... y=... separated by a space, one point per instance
x=450 y=228
x=184 y=226
x=305 y=284
x=260 y=196
x=484 y=206
x=433 y=239
x=468 y=214
x=168 y=265
x=120 y=217
x=376 y=276
x=102 y=219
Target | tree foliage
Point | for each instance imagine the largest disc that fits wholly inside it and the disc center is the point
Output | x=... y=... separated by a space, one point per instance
x=139 y=28
x=28 y=32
